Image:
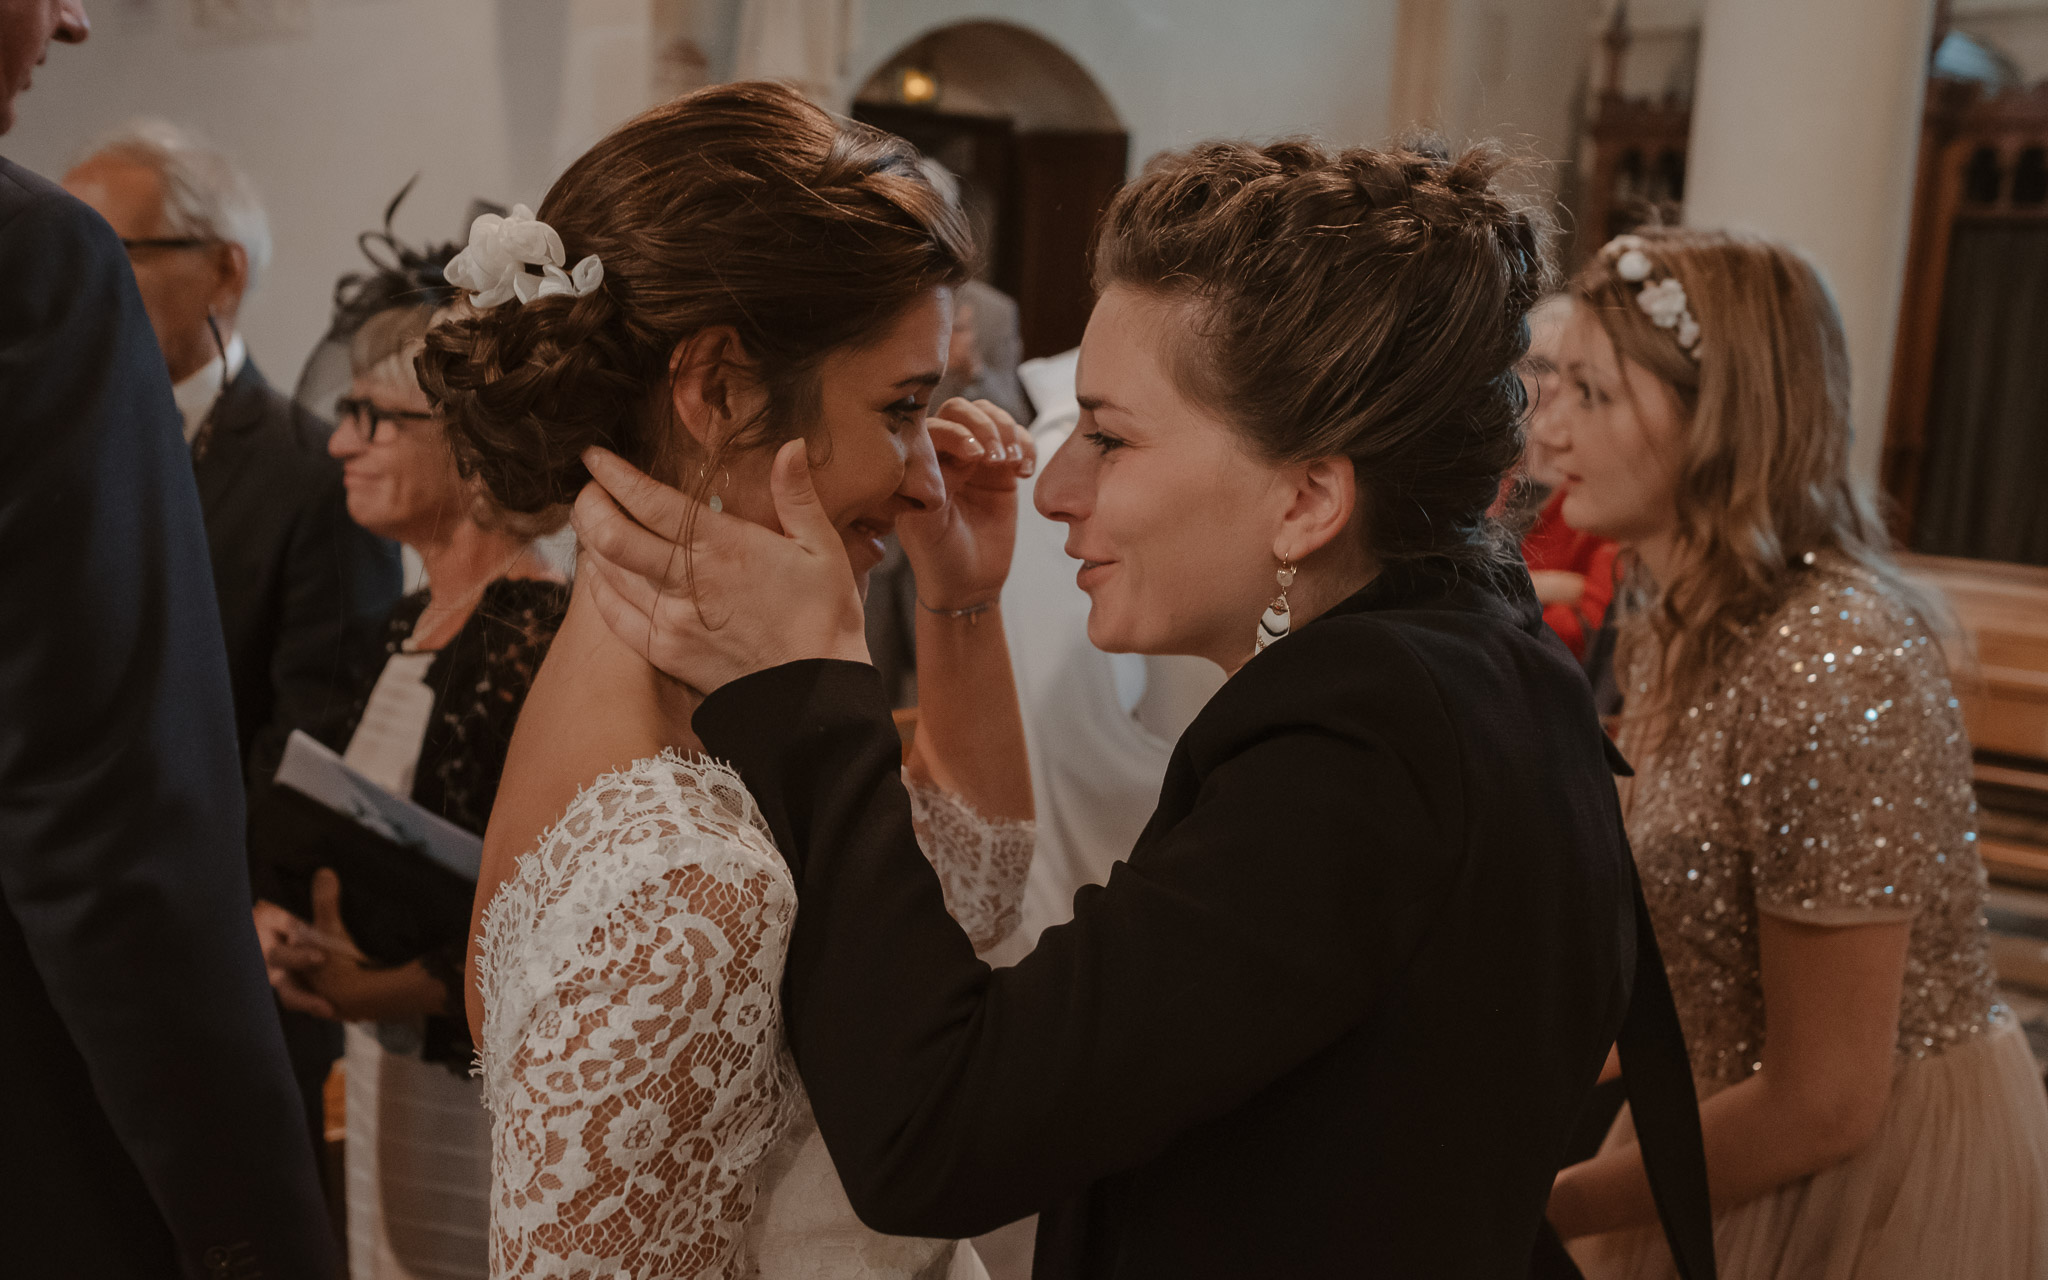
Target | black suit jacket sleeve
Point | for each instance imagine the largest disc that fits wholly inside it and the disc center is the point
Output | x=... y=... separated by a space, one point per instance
x=303 y=590
x=120 y=806
x=336 y=578
x=954 y=1098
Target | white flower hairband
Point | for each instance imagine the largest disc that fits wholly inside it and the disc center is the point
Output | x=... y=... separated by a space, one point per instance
x=1663 y=300
x=494 y=266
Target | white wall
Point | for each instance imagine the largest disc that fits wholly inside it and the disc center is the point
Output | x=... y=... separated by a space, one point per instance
x=1806 y=130
x=483 y=98
x=1180 y=71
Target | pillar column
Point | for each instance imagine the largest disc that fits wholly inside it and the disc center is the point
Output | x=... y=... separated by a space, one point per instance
x=1806 y=128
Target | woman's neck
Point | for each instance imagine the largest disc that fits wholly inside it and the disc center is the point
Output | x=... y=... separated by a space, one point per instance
x=595 y=707
x=463 y=561
x=1657 y=553
x=643 y=709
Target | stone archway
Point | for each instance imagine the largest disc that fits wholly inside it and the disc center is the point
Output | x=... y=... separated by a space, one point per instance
x=1037 y=145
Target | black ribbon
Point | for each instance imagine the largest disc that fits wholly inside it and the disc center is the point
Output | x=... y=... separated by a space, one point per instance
x=1657 y=1073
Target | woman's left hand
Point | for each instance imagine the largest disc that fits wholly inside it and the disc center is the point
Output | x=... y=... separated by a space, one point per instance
x=291 y=947
x=961 y=551
x=354 y=989
x=700 y=614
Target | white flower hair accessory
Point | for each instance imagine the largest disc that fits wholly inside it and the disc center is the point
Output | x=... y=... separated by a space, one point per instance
x=1663 y=300
x=494 y=266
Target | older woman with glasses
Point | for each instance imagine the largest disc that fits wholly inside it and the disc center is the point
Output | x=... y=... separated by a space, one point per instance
x=433 y=724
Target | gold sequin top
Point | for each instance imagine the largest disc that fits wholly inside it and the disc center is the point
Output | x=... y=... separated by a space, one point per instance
x=1828 y=782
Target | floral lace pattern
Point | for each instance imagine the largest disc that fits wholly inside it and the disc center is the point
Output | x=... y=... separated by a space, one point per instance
x=633 y=1057
x=981 y=862
x=480 y=680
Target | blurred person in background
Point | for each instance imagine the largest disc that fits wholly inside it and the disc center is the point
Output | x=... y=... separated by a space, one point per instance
x=987 y=344
x=431 y=721
x=299 y=583
x=148 y=1124
x=982 y=359
x=1801 y=810
x=1573 y=571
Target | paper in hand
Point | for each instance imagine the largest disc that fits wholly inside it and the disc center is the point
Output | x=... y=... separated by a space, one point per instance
x=319 y=774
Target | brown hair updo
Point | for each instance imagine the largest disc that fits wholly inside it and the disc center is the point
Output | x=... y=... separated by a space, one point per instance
x=741 y=205
x=1368 y=304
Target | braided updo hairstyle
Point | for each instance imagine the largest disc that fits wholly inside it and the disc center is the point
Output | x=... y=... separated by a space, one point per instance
x=742 y=205
x=1368 y=304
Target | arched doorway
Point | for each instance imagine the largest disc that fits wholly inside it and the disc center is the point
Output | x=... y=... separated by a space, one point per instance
x=1038 y=149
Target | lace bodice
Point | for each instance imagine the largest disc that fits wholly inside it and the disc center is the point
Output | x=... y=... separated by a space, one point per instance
x=633 y=1057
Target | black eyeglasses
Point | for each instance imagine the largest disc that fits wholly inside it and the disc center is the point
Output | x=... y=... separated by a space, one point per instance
x=374 y=422
x=167 y=242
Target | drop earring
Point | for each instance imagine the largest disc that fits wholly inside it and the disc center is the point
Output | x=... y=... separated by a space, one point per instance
x=717 y=502
x=1276 y=621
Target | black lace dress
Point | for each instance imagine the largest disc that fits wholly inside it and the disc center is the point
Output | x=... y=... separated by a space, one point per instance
x=480 y=680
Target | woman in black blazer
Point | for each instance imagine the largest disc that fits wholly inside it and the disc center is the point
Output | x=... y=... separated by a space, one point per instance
x=1339 y=1009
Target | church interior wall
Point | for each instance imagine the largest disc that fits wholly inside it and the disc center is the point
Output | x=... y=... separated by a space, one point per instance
x=2016 y=28
x=1664 y=40
x=335 y=104
x=1180 y=71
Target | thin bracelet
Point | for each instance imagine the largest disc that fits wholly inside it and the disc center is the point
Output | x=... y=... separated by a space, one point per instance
x=970 y=612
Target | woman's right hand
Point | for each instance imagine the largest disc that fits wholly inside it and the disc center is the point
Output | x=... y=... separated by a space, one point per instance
x=961 y=551
x=291 y=947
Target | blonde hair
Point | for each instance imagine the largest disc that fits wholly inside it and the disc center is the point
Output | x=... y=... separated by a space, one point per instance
x=383 y=349
x=1764 y=486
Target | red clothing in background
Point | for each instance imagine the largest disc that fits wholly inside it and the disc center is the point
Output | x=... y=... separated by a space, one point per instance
x=1553 y=544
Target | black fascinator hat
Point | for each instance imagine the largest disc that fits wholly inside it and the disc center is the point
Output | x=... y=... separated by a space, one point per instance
x=399 y=275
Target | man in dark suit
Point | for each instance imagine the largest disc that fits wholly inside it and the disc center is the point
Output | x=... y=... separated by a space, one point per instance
x=148 y=1123
x=297 y=579
x=302 y=588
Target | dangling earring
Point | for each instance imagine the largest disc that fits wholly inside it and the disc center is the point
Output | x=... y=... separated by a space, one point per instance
x=717 y=502
x=1276 y=622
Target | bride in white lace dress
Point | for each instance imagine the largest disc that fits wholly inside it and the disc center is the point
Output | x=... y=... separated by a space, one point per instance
x=647 y=1120
x=765 y=275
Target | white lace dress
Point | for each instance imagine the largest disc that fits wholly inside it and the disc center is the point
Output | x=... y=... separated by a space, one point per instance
x=646 y=1119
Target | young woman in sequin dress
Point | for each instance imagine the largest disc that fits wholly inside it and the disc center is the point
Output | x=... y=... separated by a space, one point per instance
x=1802 y=808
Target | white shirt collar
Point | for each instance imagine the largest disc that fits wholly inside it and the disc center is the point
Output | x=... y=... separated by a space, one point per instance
x=196 y=394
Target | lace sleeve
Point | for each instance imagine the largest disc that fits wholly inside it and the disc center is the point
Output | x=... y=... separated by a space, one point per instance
x=632 y=1059
x=981 y=861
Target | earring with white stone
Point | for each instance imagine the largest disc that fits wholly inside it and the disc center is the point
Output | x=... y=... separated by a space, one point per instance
x=1276 y=621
